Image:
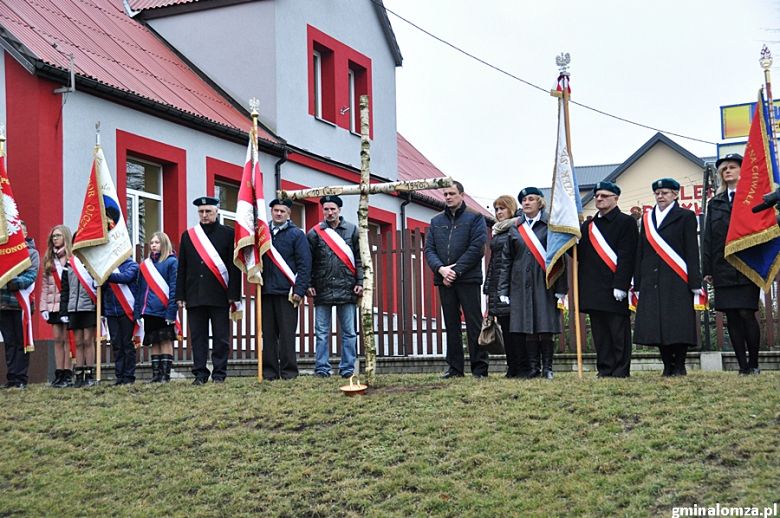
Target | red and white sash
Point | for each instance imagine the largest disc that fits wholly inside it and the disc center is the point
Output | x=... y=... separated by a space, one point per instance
x=84 y=278
x=533 y=244
x=278 y=260
x=601 y=246
x=209 y=254
x=126 y=299
x=338 y=245
x=23 y=298
x=159 y=287
x=56 y=274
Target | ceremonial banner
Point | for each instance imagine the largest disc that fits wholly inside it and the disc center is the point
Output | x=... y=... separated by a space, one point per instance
x=101 y=240
x=253 y=237
x=753 y=240
x=14 y=257
x=563 y=227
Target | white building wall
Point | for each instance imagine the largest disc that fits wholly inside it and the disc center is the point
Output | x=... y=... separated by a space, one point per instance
x=80 y=113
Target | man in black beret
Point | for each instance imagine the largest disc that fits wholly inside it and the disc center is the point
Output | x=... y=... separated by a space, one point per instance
x=337 y=280
x=607 y=255
x=208 y=284
x=286 y=276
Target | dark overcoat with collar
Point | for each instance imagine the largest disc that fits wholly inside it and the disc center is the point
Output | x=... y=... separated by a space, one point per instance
x=195 y=284
x=665 y=314
x=596 y=280
x=716 y=228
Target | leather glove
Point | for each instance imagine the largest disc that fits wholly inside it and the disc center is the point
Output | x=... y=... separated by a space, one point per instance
x=619 y=294
x=504 y=299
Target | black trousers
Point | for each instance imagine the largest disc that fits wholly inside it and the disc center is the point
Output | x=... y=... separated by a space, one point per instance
x=516 y=359
x=612 y=339
x=745 y=335
x=280 y=319
x=453 y=299
x=121 y=331
x=199 y=318
x=16 y=360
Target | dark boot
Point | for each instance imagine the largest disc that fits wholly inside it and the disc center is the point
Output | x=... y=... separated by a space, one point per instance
x=57 y=378
x=79 y=377
x=547 y=358
x=667 y=356
x=680 y=353
x=156 y=369
x=532 y=353
x=67 y=379
x=166 y=361
x=89 y=378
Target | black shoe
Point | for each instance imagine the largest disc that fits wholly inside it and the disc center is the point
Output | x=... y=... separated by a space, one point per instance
x=166 y=362
x=66 y=379
x=119 y=381
x=79 y=381
x=451 y=374
x=157 y=374
x=57 y=377
x=755 y=371
x=479 y=376
x=346 y=375
x=321 y=375
x=744 y=372
x=200 y=381
x=218 y=380
x=19 y=385
x=89 y=380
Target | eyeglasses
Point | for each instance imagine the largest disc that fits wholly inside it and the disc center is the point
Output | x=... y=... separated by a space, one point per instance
x=57 y=235
x=598 y=196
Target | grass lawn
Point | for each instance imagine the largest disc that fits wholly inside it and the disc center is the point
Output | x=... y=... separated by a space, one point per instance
x=415 y=445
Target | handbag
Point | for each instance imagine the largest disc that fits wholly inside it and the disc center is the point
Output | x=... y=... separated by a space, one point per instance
x=491 y=338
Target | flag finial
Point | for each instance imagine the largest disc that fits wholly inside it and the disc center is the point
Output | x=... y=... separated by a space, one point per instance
x=254 y=104
x=562 y=60
x=2 y=139
x=766 y=58
x=97 y=133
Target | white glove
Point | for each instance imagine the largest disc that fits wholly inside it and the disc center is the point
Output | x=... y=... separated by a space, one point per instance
x=504 y=299
x=697 y=291
x=619 y=294
x=65 y=319
x=45 y=315
x=560 y=296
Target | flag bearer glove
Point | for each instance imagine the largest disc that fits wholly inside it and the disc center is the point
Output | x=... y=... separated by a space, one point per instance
x=504 y=299
x=45 y=315
x=560 y=296
x=697 y=291
x=65 y=319
x=170 y=322
x=619 y=294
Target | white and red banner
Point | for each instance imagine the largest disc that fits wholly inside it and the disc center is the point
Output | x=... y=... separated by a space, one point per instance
x=14 y=257
x=340 y=247
x=252 y=235
x=602 y=248
x=101 y=240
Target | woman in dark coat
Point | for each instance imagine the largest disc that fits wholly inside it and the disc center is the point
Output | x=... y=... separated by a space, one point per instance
x=735 y=294
x=533 y=309
x=505 y=208
x=664 y=315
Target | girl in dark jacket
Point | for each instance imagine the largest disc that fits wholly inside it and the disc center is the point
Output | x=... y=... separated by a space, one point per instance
x=78 y=309
x=156 y=304
x=735 y=294
x=534 y=313
x=505 y=208
x=54 y=260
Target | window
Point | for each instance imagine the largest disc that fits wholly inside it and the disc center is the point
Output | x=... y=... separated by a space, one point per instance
x=227 y=193
x=298 y=215
x=338 y=76
x=144 y=201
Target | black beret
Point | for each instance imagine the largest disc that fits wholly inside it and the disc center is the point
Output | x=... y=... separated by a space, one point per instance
x=733 y=157
x=666 y=183
x=606 y=186
x=331 y=198
x=205 y=200
x=276 y=201
x=528 y=190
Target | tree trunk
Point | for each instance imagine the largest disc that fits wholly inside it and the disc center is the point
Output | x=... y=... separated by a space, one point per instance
x=367 y=301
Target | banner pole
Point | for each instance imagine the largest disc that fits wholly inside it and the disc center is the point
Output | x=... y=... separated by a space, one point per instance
x=98 y=333
x=766 y=64
x=259 y=332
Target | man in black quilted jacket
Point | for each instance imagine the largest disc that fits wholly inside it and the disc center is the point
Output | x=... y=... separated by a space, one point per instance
x=337 y=280
x=454 y=247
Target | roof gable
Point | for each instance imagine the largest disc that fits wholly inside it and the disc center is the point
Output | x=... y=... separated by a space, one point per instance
x=113 y=50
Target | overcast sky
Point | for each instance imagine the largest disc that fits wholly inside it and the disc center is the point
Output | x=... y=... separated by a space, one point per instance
x=667 y=64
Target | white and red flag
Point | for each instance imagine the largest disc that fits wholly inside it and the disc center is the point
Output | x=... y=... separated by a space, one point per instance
x=101 y=240
x=14 y=257
x=253 y=237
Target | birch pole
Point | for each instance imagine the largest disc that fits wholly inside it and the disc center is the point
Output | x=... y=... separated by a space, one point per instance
x=367 y=300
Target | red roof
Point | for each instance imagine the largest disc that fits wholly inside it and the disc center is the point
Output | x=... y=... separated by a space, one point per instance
x=412 y=165
x=113 y=49
x=138 y=5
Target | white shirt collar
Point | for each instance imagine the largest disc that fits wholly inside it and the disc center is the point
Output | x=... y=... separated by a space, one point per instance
x=661 y=214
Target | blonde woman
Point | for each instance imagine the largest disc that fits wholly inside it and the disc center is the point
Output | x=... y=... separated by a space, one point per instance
x=54 y=260
x=156 y=304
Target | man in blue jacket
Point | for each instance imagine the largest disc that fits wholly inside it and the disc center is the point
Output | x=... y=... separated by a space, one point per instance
x=118 y=302
x=286 y=275
x=454 y=247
